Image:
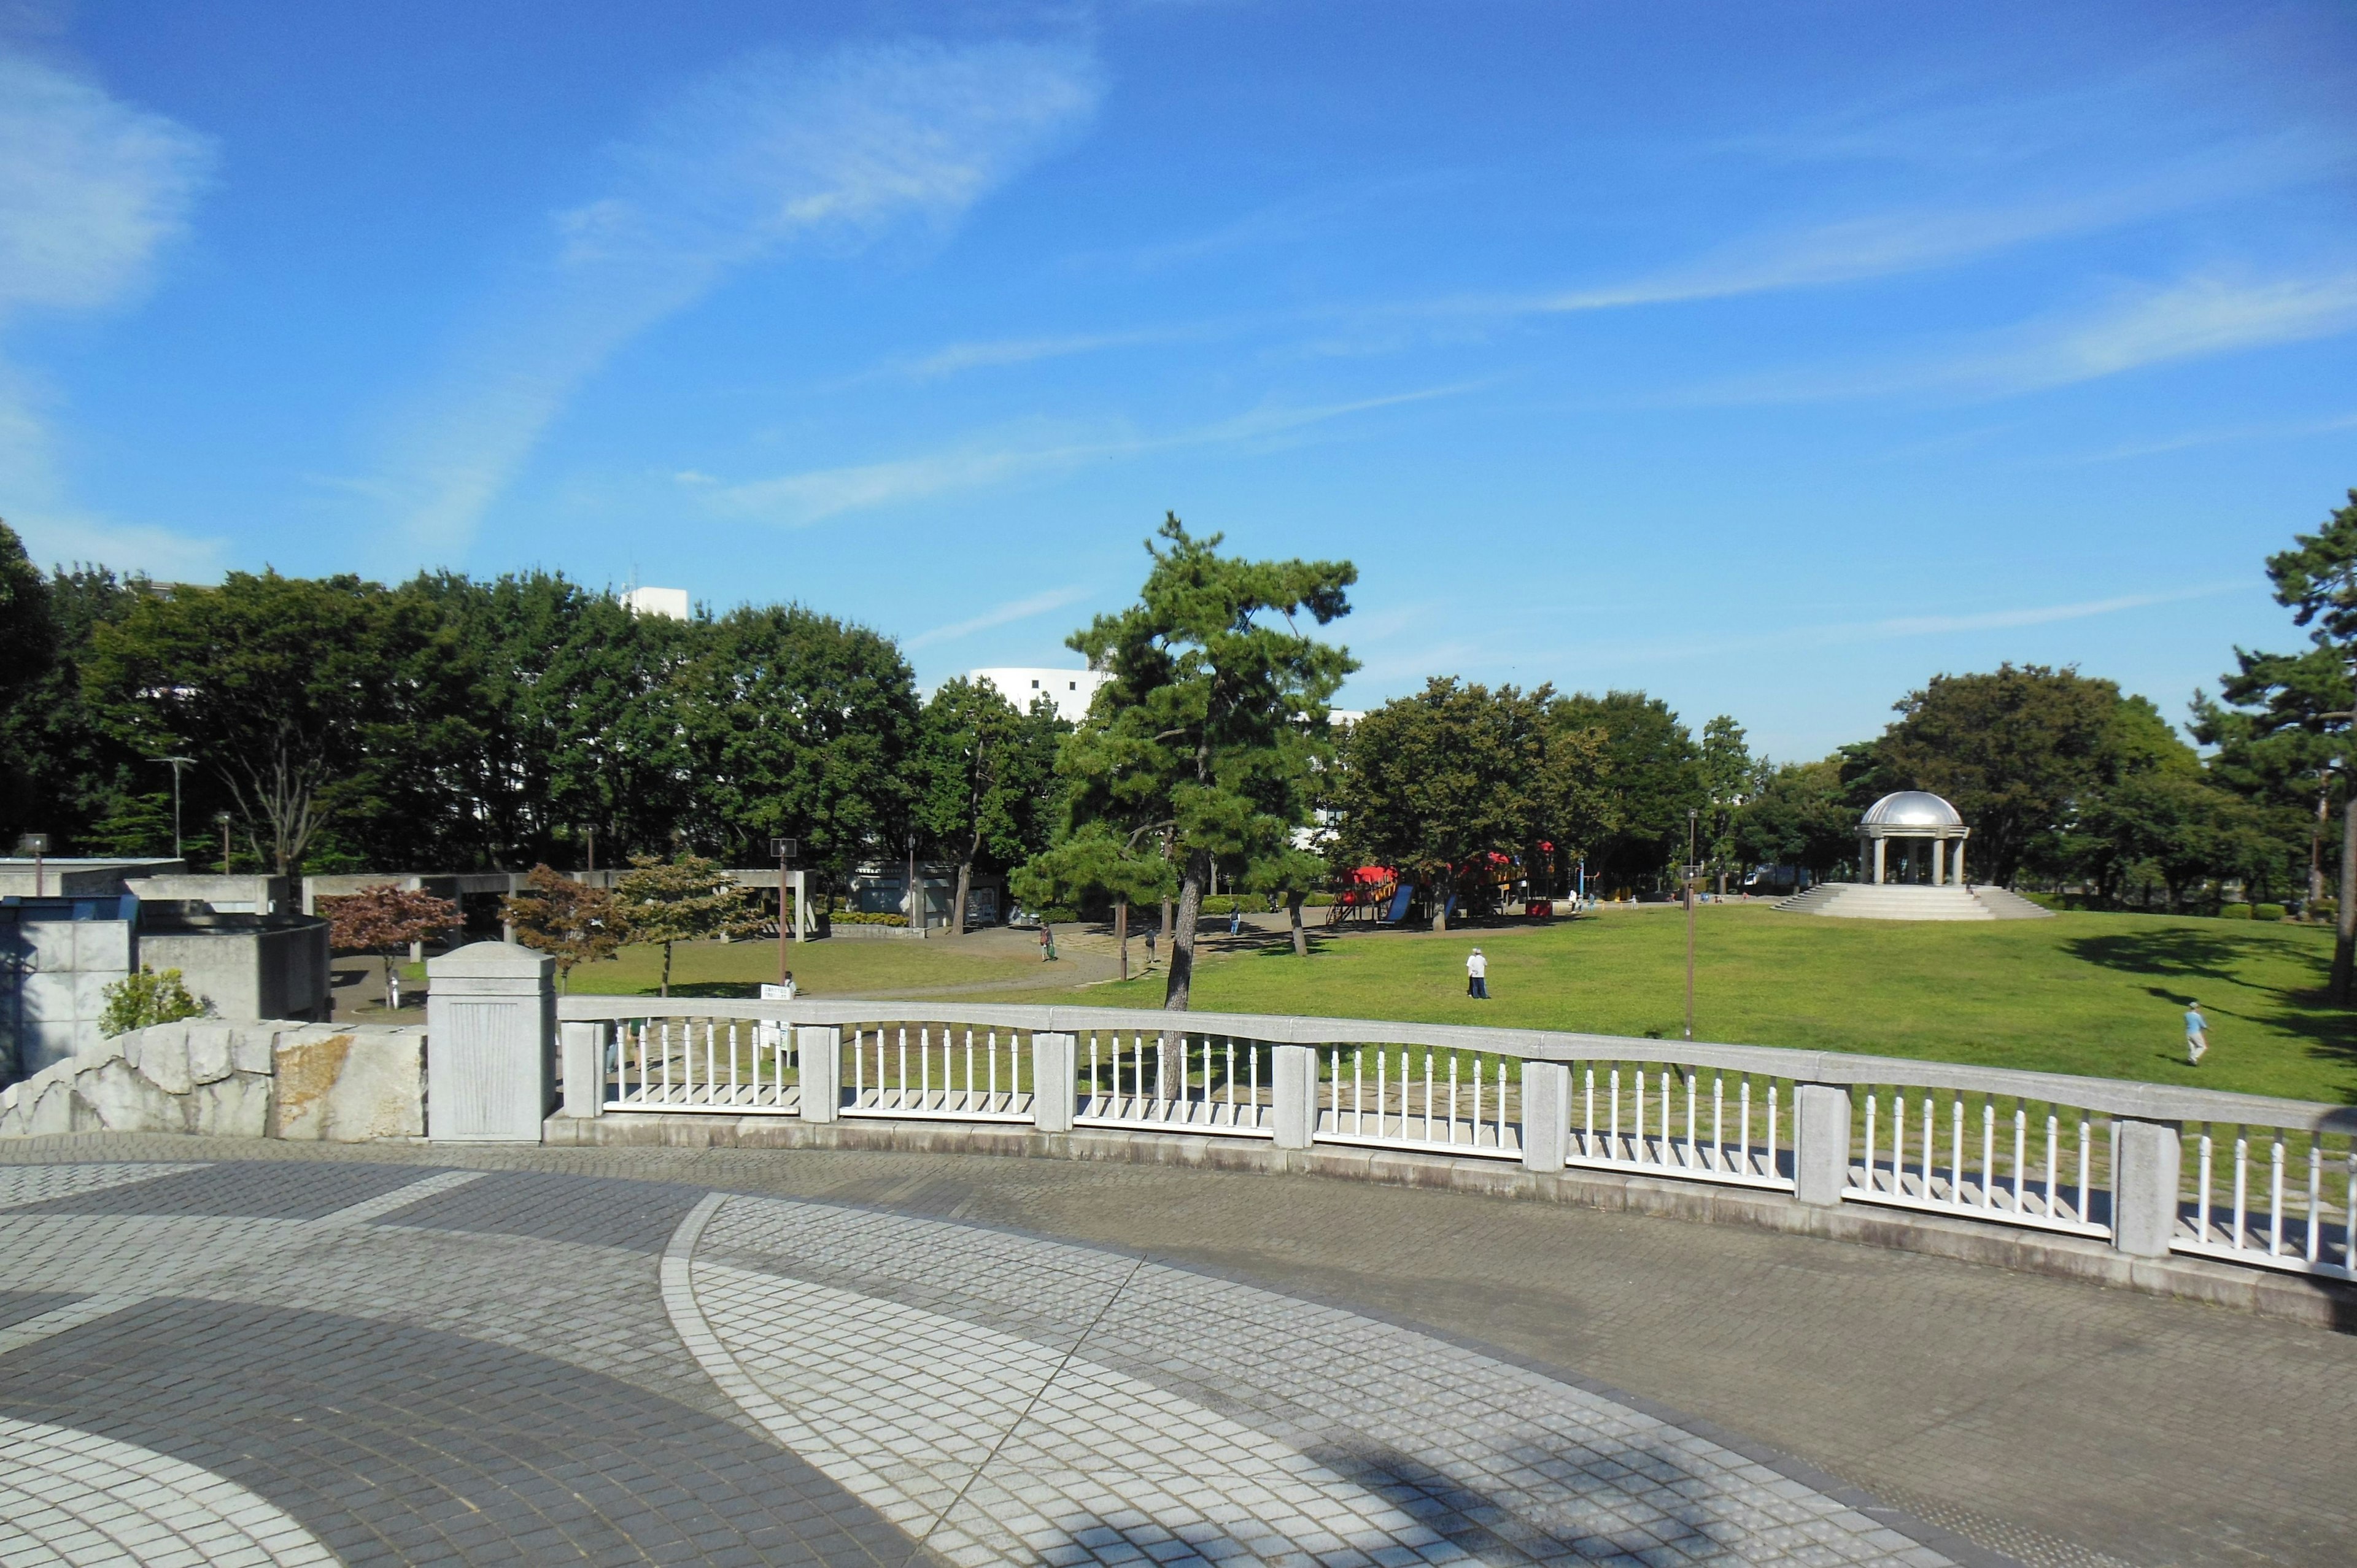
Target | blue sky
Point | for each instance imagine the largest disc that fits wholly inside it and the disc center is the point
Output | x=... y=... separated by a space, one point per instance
x=1769 y=358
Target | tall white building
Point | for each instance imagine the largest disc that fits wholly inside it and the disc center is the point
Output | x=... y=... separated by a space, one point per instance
x=1071 y=690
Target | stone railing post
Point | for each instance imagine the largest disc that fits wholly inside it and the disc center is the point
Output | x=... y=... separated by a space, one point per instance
x=2144 y=1188
x=1546 y=1114
x=584 y=1051
x=1052 y=1084
x=490 y=1044
x=1821 y=1113
x=1293 y=1088
x=818 y=1056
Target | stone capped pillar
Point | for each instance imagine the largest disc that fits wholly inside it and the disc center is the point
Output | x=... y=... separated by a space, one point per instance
x=1546 y=1114
x=2144 y=1188
x=1053 y=1087
x=490 y=1044
x=1821 y=1146
x=1293 y=1089
x=818 y=1057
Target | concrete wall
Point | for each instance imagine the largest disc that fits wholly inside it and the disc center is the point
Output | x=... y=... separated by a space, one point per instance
x=274 y=1077
x=219 y=895
x=63 y=878
x=245 y=968
x=54 y=969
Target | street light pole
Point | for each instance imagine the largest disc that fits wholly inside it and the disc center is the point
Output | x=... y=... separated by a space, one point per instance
x=915 y=899
x=786 y=849
x=224 y=819
x=1692 y=817
x=177 y=763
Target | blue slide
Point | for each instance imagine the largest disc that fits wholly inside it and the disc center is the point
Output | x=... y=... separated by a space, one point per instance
x=1399 y=905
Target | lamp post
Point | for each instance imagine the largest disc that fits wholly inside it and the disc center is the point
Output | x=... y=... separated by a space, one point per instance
x=915 y=899
x=38 y=846
x=1692 y=816
x=785 y=850
x=176 y=763
x=223 y=819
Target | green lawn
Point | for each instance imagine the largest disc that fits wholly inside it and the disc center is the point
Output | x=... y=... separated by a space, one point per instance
x=2100 y=994
x=848 y=967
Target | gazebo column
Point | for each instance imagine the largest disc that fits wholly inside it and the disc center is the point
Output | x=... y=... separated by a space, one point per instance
x=1939 y=859
x=1959 y=860
x=1880 y=845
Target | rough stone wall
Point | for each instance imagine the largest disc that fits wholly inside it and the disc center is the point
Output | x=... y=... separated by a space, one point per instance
x=267 y=1078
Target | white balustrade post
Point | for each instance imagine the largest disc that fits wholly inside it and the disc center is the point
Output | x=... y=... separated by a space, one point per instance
x=818 y=1056
x=1052 y=1082
x=1546 y=1114
x=1293 y=1084
x=490 y=1044
x=1821 y=1113
x=584 y=1047
x=2144 y=1188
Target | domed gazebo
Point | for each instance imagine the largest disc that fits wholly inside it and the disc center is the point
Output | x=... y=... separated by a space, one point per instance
x=1913 y=817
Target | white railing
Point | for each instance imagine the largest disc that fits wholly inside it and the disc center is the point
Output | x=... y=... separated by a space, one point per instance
x=1423 y=1100
x=724 y=1066
x=2264 y=1182
x=1201 y=1083
x=2265 y=1196
x=939 y=1072
x=2013 y=1162
x=1685 y=1128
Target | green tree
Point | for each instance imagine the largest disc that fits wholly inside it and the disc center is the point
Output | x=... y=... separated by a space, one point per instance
x=2316 y=581
x=1730 y=776
x=690 y=899
x=276 y=685
x=1098 y=863
x=1436 y=784
x=1799 y=814
x=1215 y=712
x=986 y=777
x=1656 y=776
x=1293 y=875
x=2015 y=751
x=61 y=771
x=799 y=724
x=571 y=922
x=2273 y=726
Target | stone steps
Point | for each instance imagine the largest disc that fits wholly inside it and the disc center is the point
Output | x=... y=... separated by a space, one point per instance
x=1890 y=901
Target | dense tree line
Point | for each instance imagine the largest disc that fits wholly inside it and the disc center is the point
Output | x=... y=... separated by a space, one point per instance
x=449 y=723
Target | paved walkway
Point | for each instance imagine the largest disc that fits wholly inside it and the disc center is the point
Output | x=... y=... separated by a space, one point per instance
x=224 y=1352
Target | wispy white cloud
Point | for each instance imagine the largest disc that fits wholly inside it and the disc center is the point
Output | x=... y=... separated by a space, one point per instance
x=1000 y=614
x=91 y=190
x=772 y=155
x=796 y=499
x=2195 y=317
x=954 y=358
x=2215 y=437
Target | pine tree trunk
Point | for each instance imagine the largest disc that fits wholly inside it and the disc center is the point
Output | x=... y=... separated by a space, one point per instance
x=2316 y=842
x=1173 y=1064
x=964 y=881
x=665 y=988
x=1300 y=939
x=1121 y=933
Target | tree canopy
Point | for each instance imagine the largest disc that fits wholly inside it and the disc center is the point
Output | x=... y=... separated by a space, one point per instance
x=1215 y=714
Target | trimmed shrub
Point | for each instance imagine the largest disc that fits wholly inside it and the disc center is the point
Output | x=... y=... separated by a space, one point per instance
x=2266 y=911
x=136 y=1001
x=2235 y=912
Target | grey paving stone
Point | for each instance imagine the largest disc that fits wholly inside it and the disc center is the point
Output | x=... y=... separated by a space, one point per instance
x=16 y=1306
x=255 y=1191
x=400 y=1444
x=635 y=1216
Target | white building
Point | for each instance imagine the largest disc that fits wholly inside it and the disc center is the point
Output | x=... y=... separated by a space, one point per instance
x=1071 y=690
x=668 y=602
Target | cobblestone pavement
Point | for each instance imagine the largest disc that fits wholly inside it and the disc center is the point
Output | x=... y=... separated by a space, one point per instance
x=612 y=1355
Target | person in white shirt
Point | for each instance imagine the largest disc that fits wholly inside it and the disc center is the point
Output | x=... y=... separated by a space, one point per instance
x=1477 y=976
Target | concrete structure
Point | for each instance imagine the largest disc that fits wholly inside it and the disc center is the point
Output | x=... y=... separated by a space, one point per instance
x=1071 y=691
x=216 y=895
x=278 y=1079
x=671 y=603
x=59 y=955
x=492 y=1020
x=20 y=874
x=1924 y=826
x=1903 y=901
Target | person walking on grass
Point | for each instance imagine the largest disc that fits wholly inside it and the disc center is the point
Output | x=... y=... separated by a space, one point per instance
x=1477 y=976
x=1047 y=942
x=1150 y=947
x=2196 y=1035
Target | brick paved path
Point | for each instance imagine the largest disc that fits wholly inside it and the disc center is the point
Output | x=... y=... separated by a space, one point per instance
x=370 y=1356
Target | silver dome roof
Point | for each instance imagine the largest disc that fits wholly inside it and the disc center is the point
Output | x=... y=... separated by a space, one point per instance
x=1911 y=809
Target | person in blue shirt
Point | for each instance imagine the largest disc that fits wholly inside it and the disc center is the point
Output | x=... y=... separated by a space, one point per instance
x=2197 y=1033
